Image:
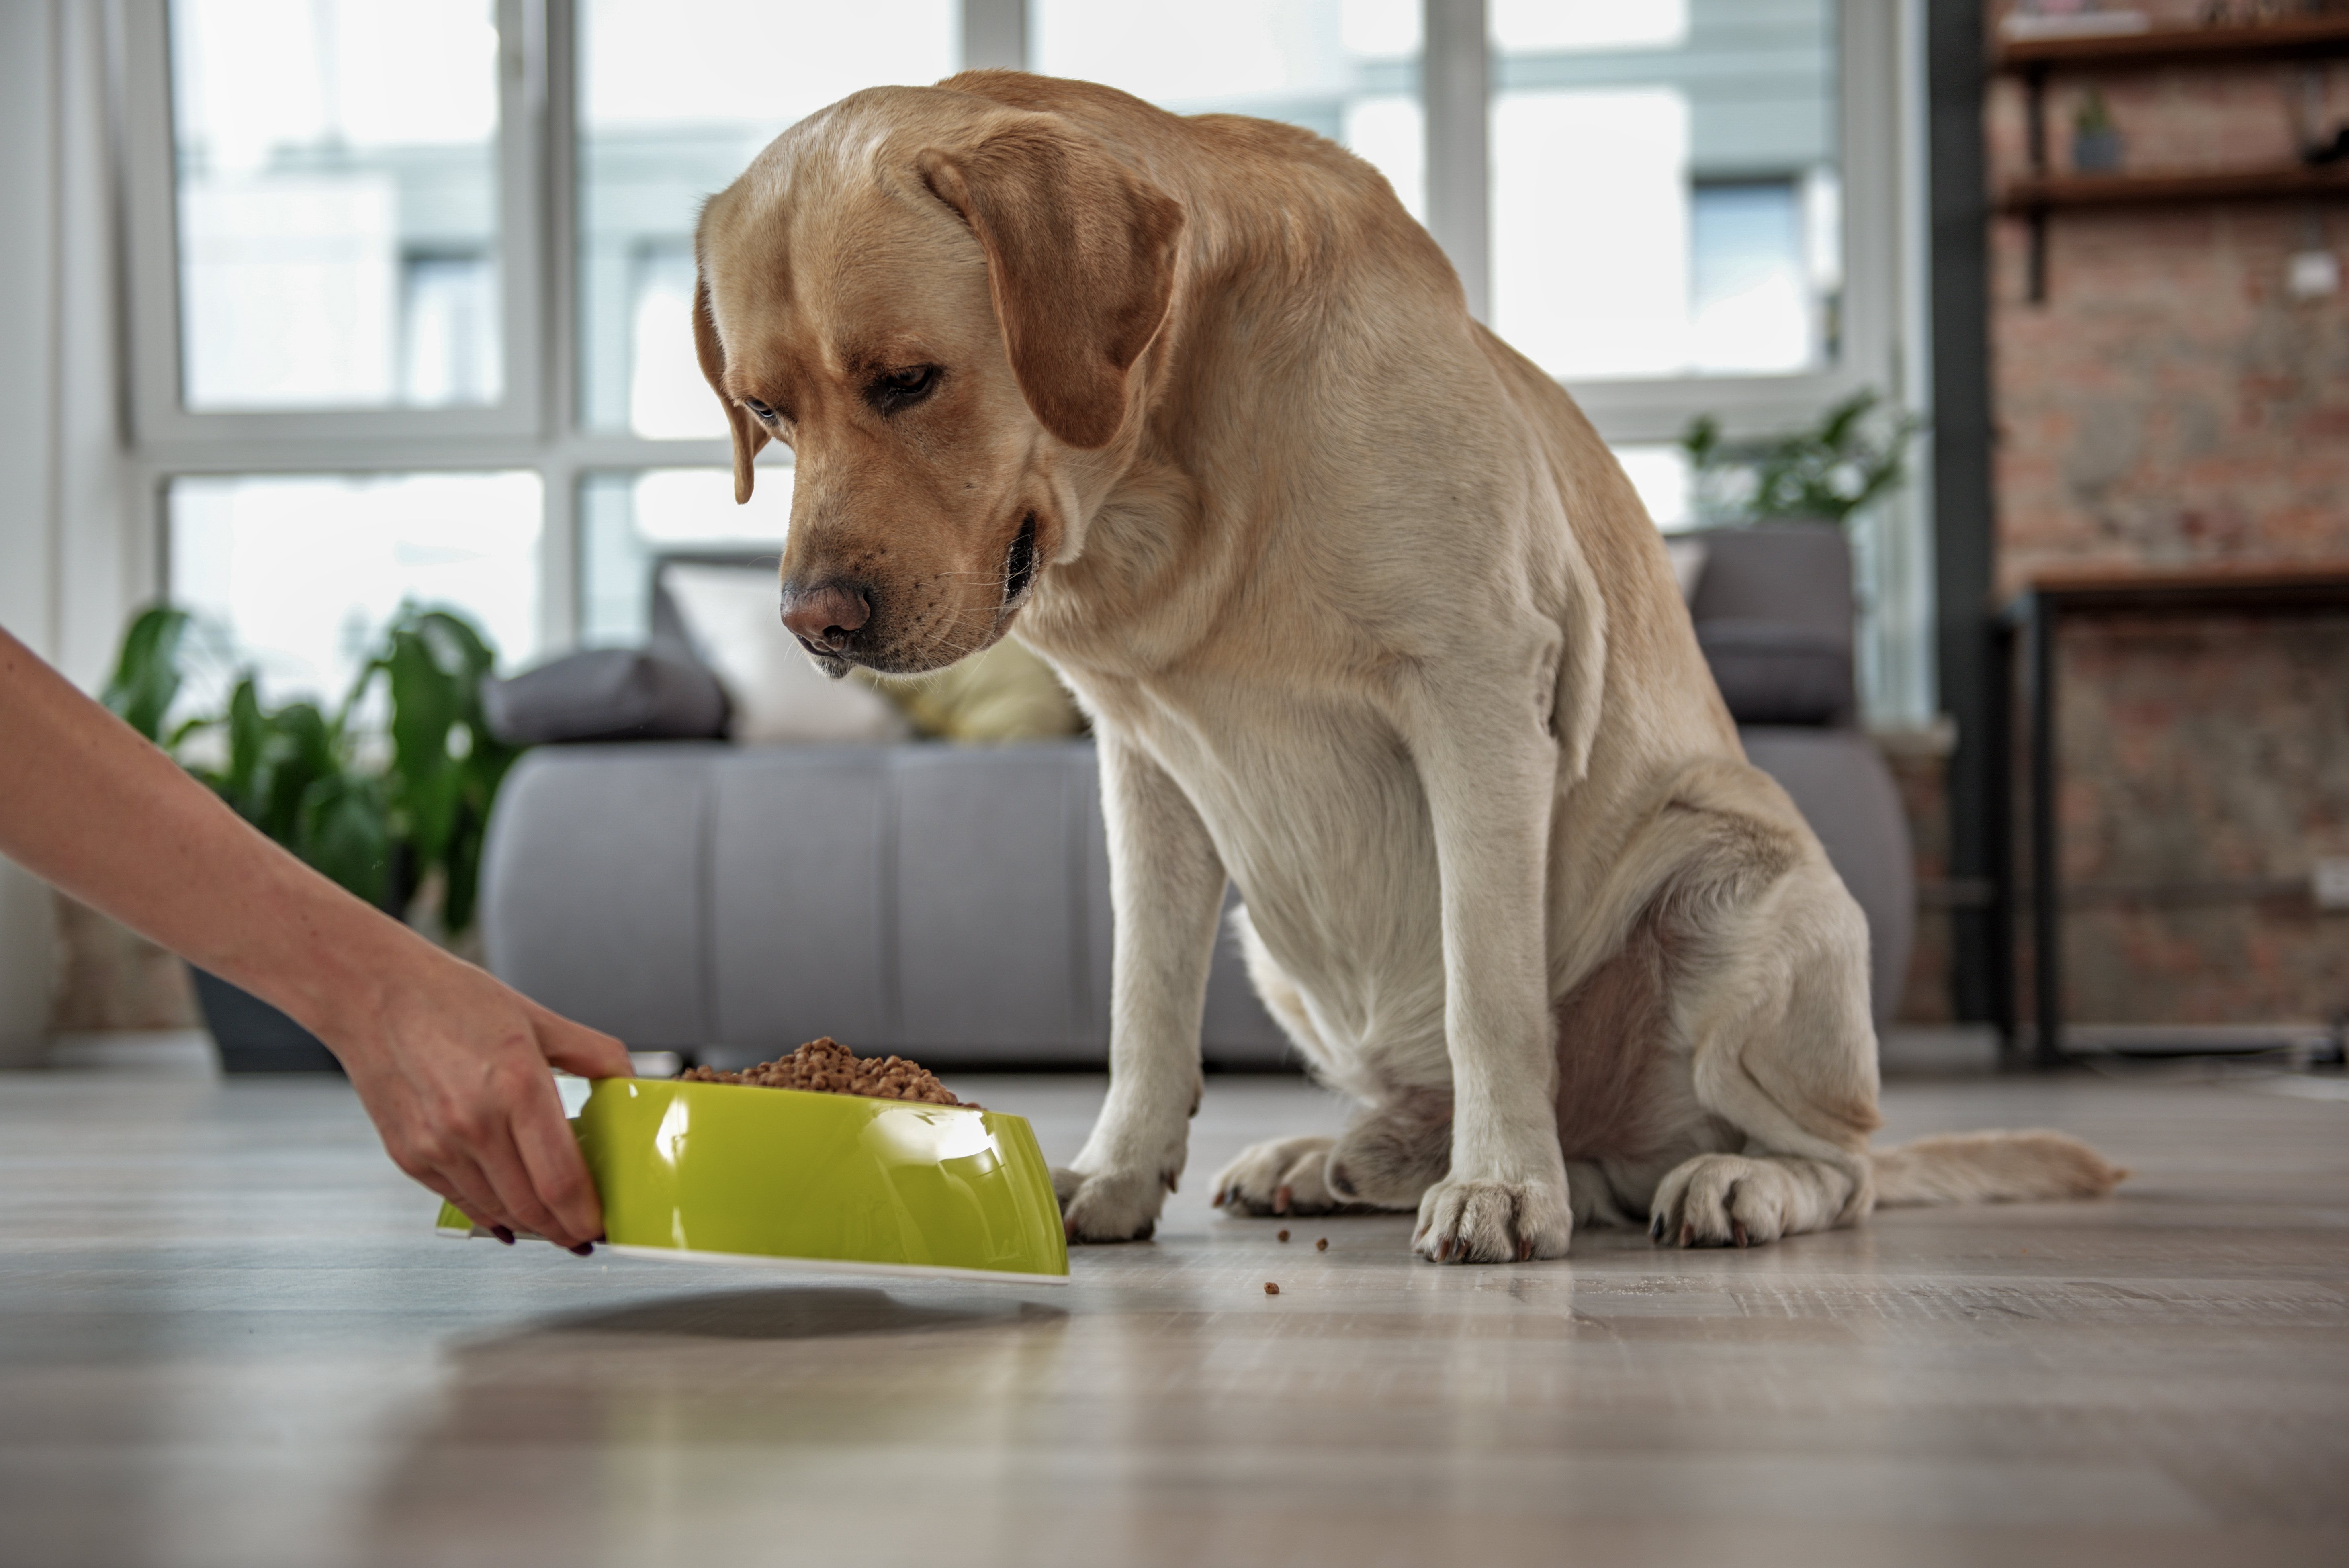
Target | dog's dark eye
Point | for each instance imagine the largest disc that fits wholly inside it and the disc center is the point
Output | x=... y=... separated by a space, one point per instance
x=759 y=409
x=895 y=389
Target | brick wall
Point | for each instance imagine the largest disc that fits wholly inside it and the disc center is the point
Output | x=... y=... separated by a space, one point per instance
x=2171 y=405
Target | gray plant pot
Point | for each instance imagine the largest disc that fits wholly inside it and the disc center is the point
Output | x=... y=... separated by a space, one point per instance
x=2095 y=151
x=253 y=1036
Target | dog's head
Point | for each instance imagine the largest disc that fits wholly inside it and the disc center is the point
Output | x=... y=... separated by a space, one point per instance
x=937 y=302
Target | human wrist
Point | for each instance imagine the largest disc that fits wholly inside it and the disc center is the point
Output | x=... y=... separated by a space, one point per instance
x=344 y=968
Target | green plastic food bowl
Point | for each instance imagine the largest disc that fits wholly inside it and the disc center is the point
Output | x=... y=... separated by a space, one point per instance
x=727 y=1172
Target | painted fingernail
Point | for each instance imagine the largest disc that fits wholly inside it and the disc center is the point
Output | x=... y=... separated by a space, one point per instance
x=502 y=1234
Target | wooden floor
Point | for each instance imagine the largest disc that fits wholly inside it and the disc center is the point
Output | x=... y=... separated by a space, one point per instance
x=228 y=1336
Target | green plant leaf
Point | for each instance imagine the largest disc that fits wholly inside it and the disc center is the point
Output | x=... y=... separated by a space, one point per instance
x=248 y=737
x=1853 y=456
x=299 y=752
x=290 y=771
x=147 y=672
x=343 y=830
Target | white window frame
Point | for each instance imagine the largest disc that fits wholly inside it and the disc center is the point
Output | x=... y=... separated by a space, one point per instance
x=536 y=425
x=1457 y=73
x=154 y=231
x=1883 y=345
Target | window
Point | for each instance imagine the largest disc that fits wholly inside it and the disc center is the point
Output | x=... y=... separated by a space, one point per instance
x=1675 y=160
x=306 y=569
x=628 y=521
x=665 y=119
x=336 y=177
x=387 y=264
x=1348 y=69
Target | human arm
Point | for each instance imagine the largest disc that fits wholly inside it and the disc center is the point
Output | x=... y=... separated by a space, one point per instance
x=450 y=1064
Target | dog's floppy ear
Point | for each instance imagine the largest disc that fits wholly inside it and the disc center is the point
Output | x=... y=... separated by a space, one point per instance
x=749 y=434
x=1080 y=259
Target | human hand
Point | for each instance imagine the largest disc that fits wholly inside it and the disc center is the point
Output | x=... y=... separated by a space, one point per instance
x=452 y=1067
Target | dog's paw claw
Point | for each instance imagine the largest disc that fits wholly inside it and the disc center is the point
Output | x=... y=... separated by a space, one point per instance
x=1493 y=1222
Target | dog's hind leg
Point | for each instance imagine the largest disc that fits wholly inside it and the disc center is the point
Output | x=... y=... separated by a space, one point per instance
x=1279 y=1176
x=1740 y=1199
x=1395 y=1152
x=1784 y=1050
x=1391 y=1154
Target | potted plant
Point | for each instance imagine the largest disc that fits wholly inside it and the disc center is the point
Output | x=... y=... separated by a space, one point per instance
x=386 y=823
x=2095 y=139
x=1853 y=456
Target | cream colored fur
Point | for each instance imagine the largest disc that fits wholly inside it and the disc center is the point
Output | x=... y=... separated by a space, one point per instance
x=1368 y=620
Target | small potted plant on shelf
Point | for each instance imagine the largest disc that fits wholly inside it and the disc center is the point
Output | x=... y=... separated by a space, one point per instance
x=2096 y=140
x=387 y=823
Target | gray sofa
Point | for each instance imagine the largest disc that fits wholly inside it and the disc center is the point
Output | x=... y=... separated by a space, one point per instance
x=952 y=904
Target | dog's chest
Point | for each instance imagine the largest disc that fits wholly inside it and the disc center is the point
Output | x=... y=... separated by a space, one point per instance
x=1320 y=821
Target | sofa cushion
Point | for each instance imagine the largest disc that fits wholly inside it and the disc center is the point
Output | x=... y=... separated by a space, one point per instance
x=1792 y=573
x=1005 y=695
x=1841 y=784
x=1773 y=673
x=777 y=693
x=605 y=694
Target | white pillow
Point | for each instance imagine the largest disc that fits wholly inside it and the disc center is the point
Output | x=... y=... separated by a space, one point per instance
x=731 y=614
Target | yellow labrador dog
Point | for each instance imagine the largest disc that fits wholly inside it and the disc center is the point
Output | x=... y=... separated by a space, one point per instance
x=1368 y=620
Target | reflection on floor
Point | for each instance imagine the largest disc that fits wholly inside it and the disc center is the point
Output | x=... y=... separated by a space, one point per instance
x=227 y=1336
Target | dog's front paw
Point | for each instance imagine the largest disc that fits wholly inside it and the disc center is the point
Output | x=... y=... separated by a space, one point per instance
x=1286 y=1176
x=1492 y=1222
x=1109 y=1206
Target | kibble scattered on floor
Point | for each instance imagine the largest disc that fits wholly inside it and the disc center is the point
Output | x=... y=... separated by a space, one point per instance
x=1271 y=1288
x=1282 y=1237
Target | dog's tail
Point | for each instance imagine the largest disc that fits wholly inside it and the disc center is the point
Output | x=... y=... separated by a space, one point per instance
x=1993 y=1168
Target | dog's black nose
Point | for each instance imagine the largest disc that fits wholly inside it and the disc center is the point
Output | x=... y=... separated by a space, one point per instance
x=825 y=615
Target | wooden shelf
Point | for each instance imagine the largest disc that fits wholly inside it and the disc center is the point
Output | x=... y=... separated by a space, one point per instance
x=2216 y=586
x=2041 y=192
x=2300 y=38
x=2287 y=181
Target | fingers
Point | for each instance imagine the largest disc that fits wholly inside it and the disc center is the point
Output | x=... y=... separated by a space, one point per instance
x=464 y=1185
x=550 y=1157
x=577 y=1048
x=502 y=1162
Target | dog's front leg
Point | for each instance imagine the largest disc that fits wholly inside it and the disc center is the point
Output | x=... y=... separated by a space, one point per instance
x=1166 y=892
x=1490 y=776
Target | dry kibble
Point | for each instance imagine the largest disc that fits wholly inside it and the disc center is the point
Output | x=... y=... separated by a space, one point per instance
x=827 y=1066
x=1271 y=1288
x=1322 y=1245
x=1282 y=1237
